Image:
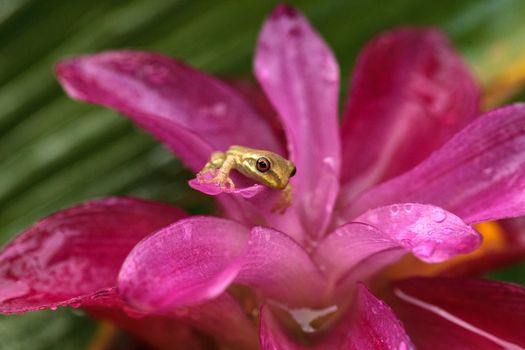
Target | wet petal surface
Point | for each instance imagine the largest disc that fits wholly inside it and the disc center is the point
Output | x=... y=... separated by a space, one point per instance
x=410 y=92
x=198 y=258
x=443 y=313
x=478 y=175
x=300 y=76
x=381 y=236
x=73 y=257
x=192 y=113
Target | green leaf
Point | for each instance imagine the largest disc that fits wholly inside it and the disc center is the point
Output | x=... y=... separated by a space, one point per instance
x=46 y=330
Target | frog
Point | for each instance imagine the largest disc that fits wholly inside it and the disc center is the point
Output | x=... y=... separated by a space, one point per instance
x=265 y=167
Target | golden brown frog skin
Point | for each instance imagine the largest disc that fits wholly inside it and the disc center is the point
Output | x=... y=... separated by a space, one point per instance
x=265 y=167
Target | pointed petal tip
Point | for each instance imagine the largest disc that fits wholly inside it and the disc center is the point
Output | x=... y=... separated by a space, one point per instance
x=284 y=11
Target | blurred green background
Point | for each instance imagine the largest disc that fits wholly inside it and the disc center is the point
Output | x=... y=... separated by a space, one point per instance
x=55 y=152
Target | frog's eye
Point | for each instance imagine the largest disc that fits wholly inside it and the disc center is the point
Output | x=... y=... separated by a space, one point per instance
x=263 y=164
x=294 y=170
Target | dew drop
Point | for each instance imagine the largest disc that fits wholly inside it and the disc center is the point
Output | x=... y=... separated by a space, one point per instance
x=187 y=233
x=424 y=250
x=408 y=207
x=54 y=308
x=438 y=215
x=394 y=209
x=488 y=171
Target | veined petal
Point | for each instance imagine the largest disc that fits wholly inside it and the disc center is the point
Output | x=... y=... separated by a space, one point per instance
x=478 y=175
x=370 y=324
x=185 y=263
x=380 y=236
x=410 y=93
x=191 y=112
x=442 y=313
x=198 y=258
x=300 y=76
x=222 y=318
x=73 y=257
x=279 y=267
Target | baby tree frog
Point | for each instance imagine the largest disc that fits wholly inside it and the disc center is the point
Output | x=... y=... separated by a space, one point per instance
x=265 y=167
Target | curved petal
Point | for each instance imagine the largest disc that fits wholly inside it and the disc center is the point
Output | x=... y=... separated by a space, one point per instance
x=478 y=175
x=185 y=263
x=369 y=324
x=300 y=76
x=221 y=318
x=453 y=314
x=279 y=267
x=198 y=258
x=191 y=112
x=382 y=235
x=410 y=93
x=73 y=257
x=271 y=334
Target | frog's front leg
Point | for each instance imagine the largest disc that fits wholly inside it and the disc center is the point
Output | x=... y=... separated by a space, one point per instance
x=215 y=162
x=284 y=201
x=223 y=175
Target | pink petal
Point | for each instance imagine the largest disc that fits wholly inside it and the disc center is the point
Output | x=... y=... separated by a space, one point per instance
x=300 y=76
x=198 y=258
x=271 y=334
x=371 y=324
x=442 y=313
x=243 y=186
x=191 y=112
x=410 y=93
x=221 y=318
x=382 y=235
x=73 y=257
x=478 y=175
x=281 y=269
x=185 y=263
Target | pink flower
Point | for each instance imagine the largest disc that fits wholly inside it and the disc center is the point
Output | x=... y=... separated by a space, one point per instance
x=410 y=170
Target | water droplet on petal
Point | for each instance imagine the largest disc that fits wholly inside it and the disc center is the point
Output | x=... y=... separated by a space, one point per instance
x=54 y=308
x=408 y=207
x=438 y=215
x=187 y=233
x=424 y=250
x=487 y=171
x=394 y=209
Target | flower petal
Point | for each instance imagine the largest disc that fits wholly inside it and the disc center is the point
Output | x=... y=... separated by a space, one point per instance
x=191 y=112
x=410 y=93
x=73 y=257
x=185 y=263
x=370 y=324
x=198 y=258
x=300 y=76
x=478 y=175
x=281 y=269
x=221 y=318
x=382 y=235
x=442 y=313
x=271 y=334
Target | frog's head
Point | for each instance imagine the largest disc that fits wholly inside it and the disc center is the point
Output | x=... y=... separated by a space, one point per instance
x=267 y=168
